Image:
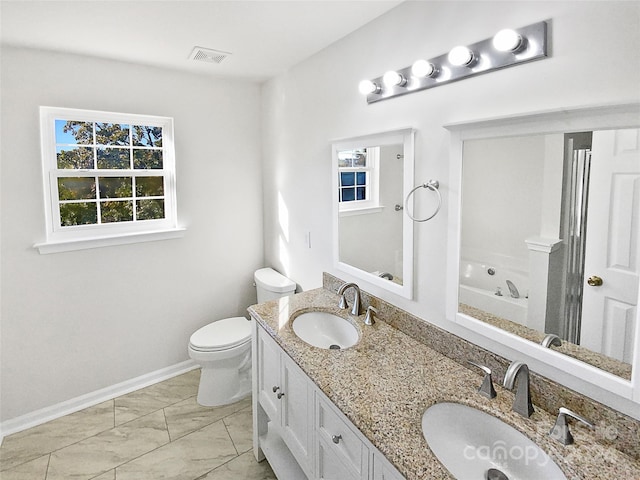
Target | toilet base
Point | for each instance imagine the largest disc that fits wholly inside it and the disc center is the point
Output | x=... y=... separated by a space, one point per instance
x=220 y=388
x=224 y=382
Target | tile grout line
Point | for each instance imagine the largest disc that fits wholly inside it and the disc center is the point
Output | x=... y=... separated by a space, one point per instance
x=46 y=472
x=166 y=423
x=226 y=428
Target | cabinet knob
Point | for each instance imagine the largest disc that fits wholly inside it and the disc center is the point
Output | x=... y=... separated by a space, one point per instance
x=275 y=389
x=280 y=395
x=336 y=439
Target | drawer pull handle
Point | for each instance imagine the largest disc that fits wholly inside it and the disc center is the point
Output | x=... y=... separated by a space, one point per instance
x=336 y=439
x=280 y=395
x=275 y=389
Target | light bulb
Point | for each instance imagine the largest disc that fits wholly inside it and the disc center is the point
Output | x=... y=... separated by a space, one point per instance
x=392 y=79
x=460 y=56
x=422 y=68
x=507 y=41
x=367 y=86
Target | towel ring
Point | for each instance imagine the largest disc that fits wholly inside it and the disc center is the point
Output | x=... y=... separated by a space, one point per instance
x=432 y=185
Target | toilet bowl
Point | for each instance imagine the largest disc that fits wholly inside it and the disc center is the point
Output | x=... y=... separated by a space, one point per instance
x=223 y=348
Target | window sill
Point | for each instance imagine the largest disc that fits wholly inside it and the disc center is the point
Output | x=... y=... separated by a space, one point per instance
x=360 y=211
x=97 y=242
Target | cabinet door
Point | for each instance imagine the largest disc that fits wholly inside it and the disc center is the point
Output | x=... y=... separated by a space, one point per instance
x=297 y=410
x=336 y=433
x=269 y=376
x=383 y=470
x=329 y=466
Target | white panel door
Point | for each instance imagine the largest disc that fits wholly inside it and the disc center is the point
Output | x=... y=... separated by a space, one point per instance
x=269 y=384
x=609 y=310
x=297 y=412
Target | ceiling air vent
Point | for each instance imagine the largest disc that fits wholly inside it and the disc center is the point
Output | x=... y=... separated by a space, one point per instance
x=208 y=55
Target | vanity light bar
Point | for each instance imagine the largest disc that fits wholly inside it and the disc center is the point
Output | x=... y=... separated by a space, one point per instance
x=506 y=49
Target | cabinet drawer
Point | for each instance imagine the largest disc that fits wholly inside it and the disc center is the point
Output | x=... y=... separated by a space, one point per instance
x=339 y=436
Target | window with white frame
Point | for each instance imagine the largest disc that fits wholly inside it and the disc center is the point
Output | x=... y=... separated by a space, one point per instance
x=107 y=176
x=358 y=178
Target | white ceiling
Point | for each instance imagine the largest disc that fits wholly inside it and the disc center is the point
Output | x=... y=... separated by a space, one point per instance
x=265 y=37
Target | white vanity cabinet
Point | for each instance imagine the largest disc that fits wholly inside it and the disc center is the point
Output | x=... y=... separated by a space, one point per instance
x=285 y=395
x=299 y=430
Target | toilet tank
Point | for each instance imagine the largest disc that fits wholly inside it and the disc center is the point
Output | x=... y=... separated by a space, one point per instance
x=271 y=285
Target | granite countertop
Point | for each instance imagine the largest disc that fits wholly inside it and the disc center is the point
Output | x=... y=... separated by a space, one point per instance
x=583 y=354
x=387 y=380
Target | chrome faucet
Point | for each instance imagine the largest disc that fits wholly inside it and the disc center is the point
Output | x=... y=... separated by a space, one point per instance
x=513 y=290
x=518 y=371
x=356 y=301
x=551 y=339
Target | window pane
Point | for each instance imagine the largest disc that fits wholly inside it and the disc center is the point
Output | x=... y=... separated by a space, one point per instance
x=147 y=159
x=344 y=162
x=348 y=194
x=149 y=186
x=360 y=158
x=76 y=188
x=74 y=157
x=72 y=133
x=361 y=178
x=116 y=211
x=347 y=179
x=114 y=187
x=361 y=193
x=112 y=134
x=116 y=158
x=149 y=209
x=352 y=158
x=147 y=136
x=85 y=213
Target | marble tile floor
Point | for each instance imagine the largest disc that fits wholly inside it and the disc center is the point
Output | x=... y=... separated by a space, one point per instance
x=158 y=432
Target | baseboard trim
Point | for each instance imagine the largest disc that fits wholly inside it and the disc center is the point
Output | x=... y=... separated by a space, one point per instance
x=52 y=412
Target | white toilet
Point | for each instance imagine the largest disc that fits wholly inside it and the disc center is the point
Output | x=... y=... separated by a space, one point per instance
x=223 y=348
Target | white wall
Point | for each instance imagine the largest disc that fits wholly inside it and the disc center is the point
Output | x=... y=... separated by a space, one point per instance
x=502 y=185
x=593 y=60
x=76 y=322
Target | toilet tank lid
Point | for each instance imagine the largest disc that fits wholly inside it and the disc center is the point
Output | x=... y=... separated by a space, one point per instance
x=273 y=281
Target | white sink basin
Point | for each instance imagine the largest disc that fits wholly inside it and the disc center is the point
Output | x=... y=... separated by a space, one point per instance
x=470 y=443
x=325 y=330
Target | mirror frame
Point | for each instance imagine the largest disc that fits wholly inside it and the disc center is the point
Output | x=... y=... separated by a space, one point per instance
x=556 y=366
x=405 y=137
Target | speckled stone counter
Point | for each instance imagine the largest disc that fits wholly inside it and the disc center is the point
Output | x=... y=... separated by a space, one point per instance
x=608 y=364
x=387 y=380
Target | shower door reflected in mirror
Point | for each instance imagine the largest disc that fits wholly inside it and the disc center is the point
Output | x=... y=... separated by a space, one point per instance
x=550 y=240
x=374 y=239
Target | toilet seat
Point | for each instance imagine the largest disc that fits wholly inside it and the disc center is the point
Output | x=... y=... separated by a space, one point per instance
x=221 y=335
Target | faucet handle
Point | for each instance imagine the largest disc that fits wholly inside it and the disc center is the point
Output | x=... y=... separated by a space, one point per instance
x=486 y=389
x=369 y=318
x=560 y=430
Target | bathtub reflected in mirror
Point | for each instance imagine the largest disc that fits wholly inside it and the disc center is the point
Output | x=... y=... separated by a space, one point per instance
x=540 y=214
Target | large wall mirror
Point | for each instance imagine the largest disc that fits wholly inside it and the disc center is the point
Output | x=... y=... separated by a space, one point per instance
x=548 y=251
x=373 y=238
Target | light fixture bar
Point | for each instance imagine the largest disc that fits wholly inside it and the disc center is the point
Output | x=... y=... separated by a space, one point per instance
x=486 y=58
